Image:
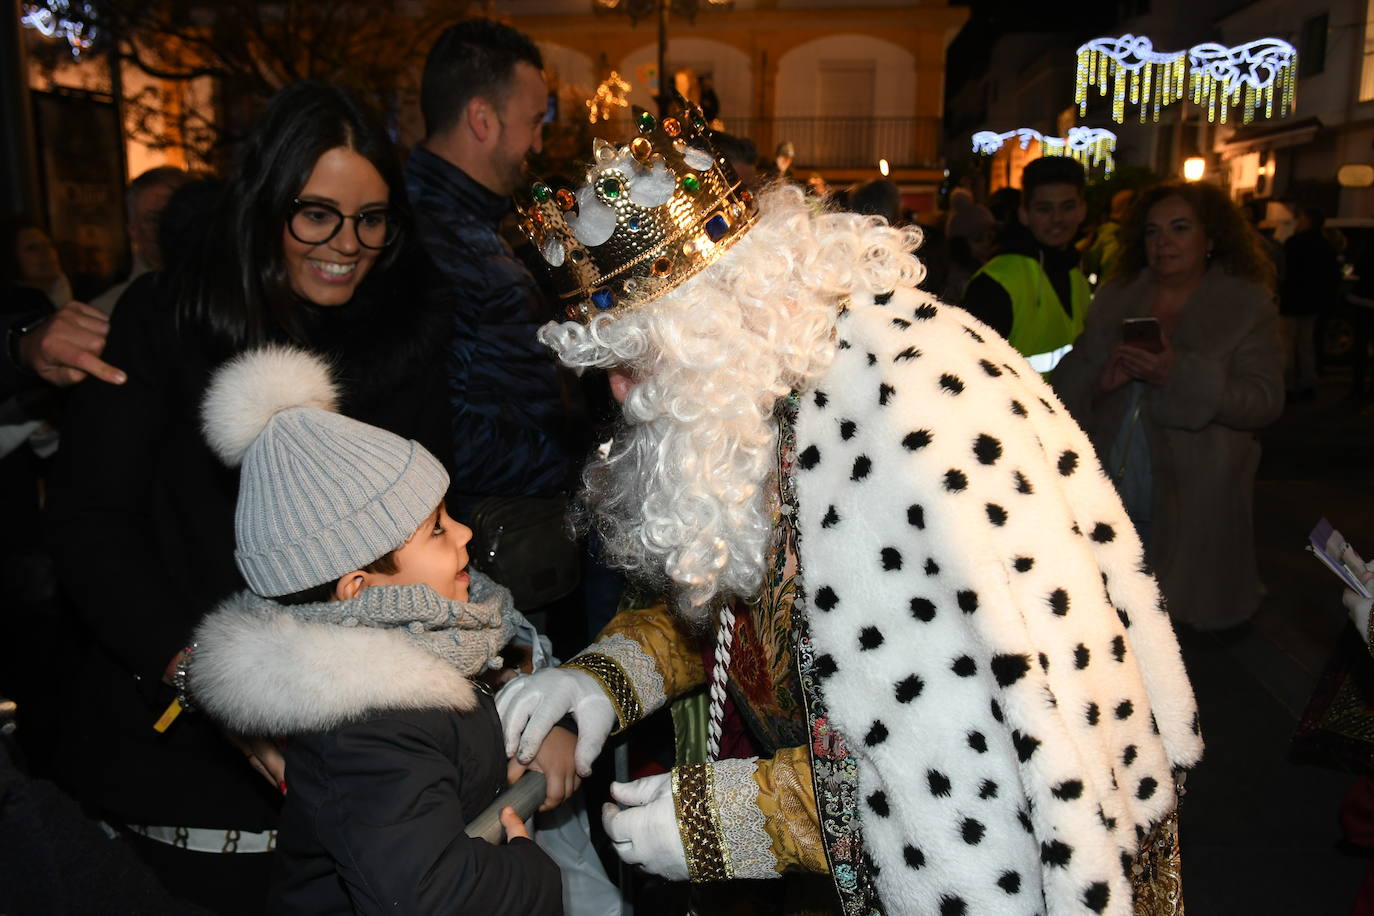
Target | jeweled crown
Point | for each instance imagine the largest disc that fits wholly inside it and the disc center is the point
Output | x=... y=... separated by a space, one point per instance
x=650 y=214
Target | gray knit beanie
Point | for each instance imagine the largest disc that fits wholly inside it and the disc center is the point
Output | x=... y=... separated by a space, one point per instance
x=320 y=495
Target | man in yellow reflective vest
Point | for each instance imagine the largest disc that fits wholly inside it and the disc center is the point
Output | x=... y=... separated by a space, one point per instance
x=1033 y=292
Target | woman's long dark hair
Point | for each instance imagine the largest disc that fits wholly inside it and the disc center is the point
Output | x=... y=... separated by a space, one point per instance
x=1236 y=246
x=235 y=290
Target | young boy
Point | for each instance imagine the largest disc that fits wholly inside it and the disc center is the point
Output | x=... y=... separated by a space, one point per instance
x=357 y=645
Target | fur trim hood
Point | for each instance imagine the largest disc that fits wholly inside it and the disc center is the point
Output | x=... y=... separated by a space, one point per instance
x=260 y=669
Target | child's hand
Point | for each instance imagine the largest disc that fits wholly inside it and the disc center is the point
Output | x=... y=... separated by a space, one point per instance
x=555 y=760
x=514 y=826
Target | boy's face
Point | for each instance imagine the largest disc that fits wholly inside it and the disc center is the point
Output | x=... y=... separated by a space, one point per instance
x=436 y=555
x=1053 y=214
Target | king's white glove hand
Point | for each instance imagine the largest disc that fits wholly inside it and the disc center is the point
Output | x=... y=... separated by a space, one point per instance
x=645 y=833
x=532 y=704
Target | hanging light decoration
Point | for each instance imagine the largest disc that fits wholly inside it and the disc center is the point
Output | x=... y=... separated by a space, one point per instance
x=1091 y=146
x=1129 y=67
x=1246 y=77
x=62 y=19
x=610 y=95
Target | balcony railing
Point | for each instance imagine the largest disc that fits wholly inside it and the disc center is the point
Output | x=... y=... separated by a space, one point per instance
x=834 y=143
x=846 y=143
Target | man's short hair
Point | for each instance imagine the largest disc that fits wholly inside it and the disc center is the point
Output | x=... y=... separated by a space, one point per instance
x=1049 y=170
x=1315 y=218
x=162 y=176
x=474 y=57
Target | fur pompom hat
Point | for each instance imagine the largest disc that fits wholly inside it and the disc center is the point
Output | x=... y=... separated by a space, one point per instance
x=320 y=494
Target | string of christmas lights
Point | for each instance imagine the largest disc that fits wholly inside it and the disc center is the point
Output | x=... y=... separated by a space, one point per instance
x=62 y=19
x=1246 y=77
x=1091 y=146
x=1132 y=68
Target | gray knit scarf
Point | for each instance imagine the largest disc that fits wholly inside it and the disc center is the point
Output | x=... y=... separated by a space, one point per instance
x=468 y=635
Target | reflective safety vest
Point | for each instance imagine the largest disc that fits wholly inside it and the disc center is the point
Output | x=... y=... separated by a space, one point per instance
x=1041 y=330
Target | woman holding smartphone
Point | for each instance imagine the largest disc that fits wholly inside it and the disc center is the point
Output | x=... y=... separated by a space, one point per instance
x=1177 y=368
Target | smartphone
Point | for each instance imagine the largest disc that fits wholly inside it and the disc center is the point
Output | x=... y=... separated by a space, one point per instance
x=1142 y=333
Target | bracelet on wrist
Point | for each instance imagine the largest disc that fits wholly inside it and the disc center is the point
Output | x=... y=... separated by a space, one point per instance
x=181 y=677
x=16 y=333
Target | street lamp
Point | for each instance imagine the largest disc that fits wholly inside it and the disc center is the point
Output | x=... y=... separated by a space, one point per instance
x=1194 y=167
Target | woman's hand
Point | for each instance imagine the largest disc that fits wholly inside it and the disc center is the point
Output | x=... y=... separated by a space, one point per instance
x=1151 y=368
x=264 y=756
x=555 y=760
x=1113 y=374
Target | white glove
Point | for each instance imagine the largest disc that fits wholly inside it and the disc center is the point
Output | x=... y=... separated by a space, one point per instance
x=645 y=833
x=532 y=704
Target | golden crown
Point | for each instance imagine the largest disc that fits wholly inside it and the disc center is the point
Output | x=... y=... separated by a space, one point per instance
x=650 y=214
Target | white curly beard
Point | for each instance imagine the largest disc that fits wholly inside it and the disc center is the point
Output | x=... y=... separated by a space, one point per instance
x=682 y=496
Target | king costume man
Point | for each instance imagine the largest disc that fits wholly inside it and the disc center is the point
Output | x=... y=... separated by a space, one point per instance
x=926 y=602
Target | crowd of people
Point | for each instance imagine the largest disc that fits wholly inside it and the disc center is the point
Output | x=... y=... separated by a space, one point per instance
x=291 y=522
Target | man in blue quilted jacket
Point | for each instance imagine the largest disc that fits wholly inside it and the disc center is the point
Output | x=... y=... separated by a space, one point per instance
x=484 y=101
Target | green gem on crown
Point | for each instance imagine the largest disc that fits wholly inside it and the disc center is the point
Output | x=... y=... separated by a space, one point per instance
x=691 y=184
x=611 y=187
x=647 y=122
x=541 y=192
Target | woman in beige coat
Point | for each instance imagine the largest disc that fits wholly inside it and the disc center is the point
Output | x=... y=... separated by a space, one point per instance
x=1174 y=404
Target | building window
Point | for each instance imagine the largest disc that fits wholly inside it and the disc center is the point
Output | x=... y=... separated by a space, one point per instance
x=1312 y=46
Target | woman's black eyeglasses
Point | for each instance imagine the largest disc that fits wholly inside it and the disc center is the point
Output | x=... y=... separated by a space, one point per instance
x=314 y=223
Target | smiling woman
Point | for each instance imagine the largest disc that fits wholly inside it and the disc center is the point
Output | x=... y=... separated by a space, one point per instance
x=323 y=264
x=310 y=246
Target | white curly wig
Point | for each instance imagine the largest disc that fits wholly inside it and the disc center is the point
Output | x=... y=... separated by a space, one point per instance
x=682 y=495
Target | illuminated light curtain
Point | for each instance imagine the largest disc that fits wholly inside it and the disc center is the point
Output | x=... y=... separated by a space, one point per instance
x=1247 y=77
x=1091 y=146
x=1129 y=67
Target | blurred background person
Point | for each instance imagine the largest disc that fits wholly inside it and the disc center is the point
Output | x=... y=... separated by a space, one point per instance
x=879 y=197
x=816 y=186
x=1005 y=205
x=779 y=167
x=1173 y=408
x=144 y=202
x=1310 y=289
x=708 y=100
x=970 y=238
x=35 y=286
x=741 y=153
x=1103 y=249
x=32 y=269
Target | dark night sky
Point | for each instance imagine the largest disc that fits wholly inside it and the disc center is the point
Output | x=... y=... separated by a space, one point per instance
x=968 y=54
